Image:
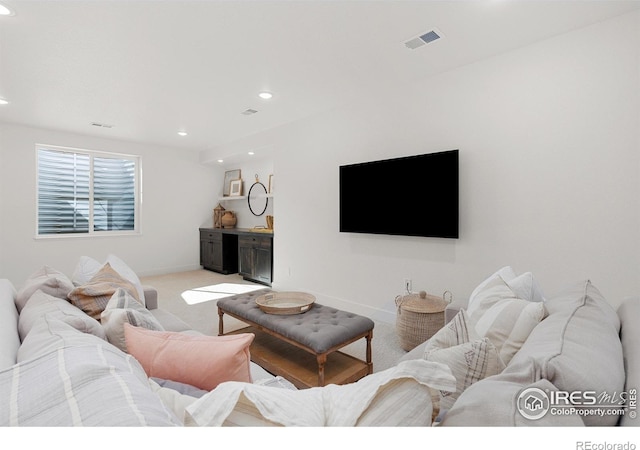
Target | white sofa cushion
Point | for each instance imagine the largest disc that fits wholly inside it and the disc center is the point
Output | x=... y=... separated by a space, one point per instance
x=86 y=385
x=9 y=338
x=494 y=403
x=399 y=396
x=46 y=279
x=577 y=347
x=41 y=304
x=52 y=331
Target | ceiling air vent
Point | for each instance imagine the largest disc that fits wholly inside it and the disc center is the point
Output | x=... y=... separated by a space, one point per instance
x=423 y=39
x=248 y=112
x=101 y=125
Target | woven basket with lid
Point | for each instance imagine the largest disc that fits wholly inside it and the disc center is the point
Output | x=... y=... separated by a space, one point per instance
x=419 y=316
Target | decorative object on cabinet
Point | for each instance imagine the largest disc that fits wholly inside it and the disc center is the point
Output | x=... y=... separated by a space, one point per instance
x=235 y=188
x=229 y=176
x=217 y=216
x=229 y=219
x=269 y=222
x=257 y=198
x=271 y=184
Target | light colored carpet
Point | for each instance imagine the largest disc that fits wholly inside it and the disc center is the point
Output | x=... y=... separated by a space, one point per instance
x=203 y=316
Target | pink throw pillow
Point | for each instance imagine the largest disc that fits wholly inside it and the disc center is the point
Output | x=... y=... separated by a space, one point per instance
x=201 y=361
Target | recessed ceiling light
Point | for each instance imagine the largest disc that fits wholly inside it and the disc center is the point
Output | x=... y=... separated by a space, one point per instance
x=251 y=153
x=182 y=133
x=221 y=161
x=3 y=102
x=5 y=11
x=265 y=95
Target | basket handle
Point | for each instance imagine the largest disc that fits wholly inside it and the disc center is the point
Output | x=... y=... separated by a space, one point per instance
x=444 y=296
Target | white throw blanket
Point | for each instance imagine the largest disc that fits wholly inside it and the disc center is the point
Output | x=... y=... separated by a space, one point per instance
x=397 y=396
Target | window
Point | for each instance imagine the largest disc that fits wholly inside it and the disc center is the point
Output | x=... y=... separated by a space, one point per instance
x=82 y=192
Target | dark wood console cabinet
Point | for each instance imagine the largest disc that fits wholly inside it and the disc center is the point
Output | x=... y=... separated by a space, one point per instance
x=219 y=251
x=255 y=258
x=233 y=250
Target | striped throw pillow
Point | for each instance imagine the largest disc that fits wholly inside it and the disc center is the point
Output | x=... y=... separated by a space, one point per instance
x=506 y=320
x=92 y=298
x=469 y=362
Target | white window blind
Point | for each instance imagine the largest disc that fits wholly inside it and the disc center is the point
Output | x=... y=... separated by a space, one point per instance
x=84 y=192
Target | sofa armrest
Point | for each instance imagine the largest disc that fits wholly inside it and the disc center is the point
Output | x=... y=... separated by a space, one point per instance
x=9 y=337
x=150 y=297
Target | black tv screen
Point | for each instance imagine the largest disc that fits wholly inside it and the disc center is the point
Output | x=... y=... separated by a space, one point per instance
x=408 y=196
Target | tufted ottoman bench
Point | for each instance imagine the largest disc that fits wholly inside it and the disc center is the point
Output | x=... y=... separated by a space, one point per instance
x=284 y=343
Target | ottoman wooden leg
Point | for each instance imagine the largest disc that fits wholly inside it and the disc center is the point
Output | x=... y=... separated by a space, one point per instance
x=322 y=359
x=220 y=322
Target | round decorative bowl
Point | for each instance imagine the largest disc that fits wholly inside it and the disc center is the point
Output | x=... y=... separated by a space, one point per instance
x=285 y=303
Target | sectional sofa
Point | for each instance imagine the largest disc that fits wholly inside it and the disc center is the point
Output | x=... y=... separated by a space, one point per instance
x=582 y=358
x=94 y=349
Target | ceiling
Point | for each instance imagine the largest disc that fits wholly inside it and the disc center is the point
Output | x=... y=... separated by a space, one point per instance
x=152 y=68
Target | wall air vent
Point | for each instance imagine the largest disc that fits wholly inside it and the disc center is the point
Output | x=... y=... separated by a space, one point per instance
x=423 y=39
x=248 y=112
x=101 y=125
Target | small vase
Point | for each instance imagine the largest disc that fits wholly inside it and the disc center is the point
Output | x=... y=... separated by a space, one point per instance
x=228 y=219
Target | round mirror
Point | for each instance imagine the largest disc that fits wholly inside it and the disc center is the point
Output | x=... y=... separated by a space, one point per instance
x=257 y=199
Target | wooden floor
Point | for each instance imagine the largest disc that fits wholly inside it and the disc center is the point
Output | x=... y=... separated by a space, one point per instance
x=301 y=367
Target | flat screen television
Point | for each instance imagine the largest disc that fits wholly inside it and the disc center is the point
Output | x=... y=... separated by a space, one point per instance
x=407 y=196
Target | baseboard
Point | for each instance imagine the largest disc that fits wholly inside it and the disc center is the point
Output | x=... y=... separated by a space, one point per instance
x=168 y=270
x=375 y=314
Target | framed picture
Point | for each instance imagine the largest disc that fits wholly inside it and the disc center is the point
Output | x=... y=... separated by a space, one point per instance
x=270 y=184
x=229 y=176
x=235 y=188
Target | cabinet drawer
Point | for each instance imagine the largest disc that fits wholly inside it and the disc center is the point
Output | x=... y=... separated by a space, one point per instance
x=206 y=235
x=255 y=241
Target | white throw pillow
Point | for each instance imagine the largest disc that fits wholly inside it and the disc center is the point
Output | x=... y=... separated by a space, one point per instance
x=505 y=319
x=507 y=273
x=125 y=271
x=85 y=269
x=526 y=287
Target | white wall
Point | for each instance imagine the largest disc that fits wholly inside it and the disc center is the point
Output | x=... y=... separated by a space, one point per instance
x=178 y=198
x=3 y=164
x=550 y=157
